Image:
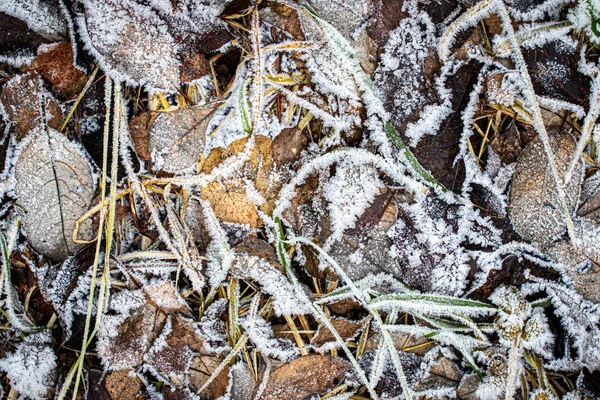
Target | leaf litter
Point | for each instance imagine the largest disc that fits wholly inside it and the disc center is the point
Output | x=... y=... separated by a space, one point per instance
x=291 y=200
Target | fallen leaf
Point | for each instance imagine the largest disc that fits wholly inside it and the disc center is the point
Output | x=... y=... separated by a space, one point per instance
x=590 y=199
x=139 y=129
x=229 y=197
x=346 y=328
x=468 y=386
x=131 y=43
x=57 y=68
x=122 y=386
x=587 y=279
x=193 y=67
x=170 y=357
x=288 y=145
x=176 y=139
x=442 y=374
x=305 y=376
x=21 y=99
x=123 y=340
x=55 y=187
x=243 y=382
x=534 y=208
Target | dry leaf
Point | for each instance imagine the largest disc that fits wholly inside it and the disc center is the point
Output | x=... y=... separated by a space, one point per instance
x=123 y=341
x=229 y=197
x=139 y=129
x=586 y=281
x=59 y=71
x=22 y=99
x=468 y=387
x=305 y=376
x=288 y=145
x=442 y=374
x=54 y=188
x=170 y=357
x=176 y=140
x=534 y=208
x=122 y=386
x=131 y=43
x=243 y=382
x=346 y=328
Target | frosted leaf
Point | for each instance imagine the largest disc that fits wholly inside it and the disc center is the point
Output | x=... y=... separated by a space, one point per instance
x=404 y=75
x=170 y=356
x=131 y=43
x=287 y=298
x=241 y=382
x=534 y=206
x=536 y=334
x=305 y=376
x=42 y=16
x=27 y=104
x=212 y=328
x=31 y=369
x=350 y=19
x=176 y=139
x=55 y=187
x=366 y=250
x=583 y=262
x=349 y=193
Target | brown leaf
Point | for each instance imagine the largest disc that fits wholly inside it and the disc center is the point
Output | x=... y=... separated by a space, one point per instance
x=468 y=387
x=441 y=374
x=305 y=376
x=171 y=356
x=587 y=283
x=534 y=208
x=284 y=18
x=139 y=128
x=20 y=98
x=508 y=144
x=201 y=369
x=55 y=186
x=228 y=197
x=193 y=67
x=176 y=139
x=122 y=386
x=346 y=328
x=288 y=145
x=253 y=246
x=59 y=71
x=590 y=199
x=125 y=343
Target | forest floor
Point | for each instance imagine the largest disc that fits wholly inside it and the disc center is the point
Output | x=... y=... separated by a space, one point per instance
x=369 y=199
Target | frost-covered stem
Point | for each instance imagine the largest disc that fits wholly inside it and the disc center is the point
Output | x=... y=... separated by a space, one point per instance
x=9 y=291
x=258 y=69
x=105 y=284
x=513 y=368
x=588 y=125
x=79 y=363
x=363 y=298
x=538 y=121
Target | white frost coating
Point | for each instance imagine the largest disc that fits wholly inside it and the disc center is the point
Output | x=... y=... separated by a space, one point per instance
x=288 y=299
x=31 y=369
x=260 y=333
x=42 y=16
x=131 y=43
x=356 y=157
x=349 y=193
